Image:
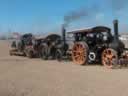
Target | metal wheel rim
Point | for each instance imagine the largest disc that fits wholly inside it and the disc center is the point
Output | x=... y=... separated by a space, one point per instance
x=109 y=58
x=79 y=54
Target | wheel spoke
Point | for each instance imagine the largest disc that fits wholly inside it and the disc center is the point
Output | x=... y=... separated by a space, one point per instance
x=79 y=53
x=108 y=56
x=76 y=56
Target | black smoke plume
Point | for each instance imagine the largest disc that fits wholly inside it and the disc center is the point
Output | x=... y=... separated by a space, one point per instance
x=94 y=9
x=80 y=14
x=117 y=5
x=74 y=15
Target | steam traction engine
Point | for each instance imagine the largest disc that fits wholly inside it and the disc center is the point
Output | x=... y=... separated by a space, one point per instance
x=26 y=45
x=48 y=46
x=62 y=48
x=98 y=45
x=18 y=46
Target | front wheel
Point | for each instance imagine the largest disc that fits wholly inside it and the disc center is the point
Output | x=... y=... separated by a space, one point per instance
x=11 y=53
x=44 y=53
x=109 y=58
x=59 y=55
x=29 y=54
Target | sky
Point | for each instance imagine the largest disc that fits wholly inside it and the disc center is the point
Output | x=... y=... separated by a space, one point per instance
x=44 y=16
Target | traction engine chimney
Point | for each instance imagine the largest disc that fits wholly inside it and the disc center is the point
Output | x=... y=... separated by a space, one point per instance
x=116 y=34
x=64 y=34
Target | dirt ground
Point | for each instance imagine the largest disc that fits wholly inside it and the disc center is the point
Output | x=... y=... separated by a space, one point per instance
x=20 y=76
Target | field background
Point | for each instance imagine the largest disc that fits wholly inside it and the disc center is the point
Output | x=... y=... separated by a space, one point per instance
x=20 y=76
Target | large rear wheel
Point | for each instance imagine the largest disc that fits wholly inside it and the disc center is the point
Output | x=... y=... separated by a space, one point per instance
x=109 y=58
x=44 y=52
x=59 y=55
x=80 y=53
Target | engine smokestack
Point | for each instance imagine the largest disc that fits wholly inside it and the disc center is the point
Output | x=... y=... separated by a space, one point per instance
x=116 y=34
x=63 y=34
